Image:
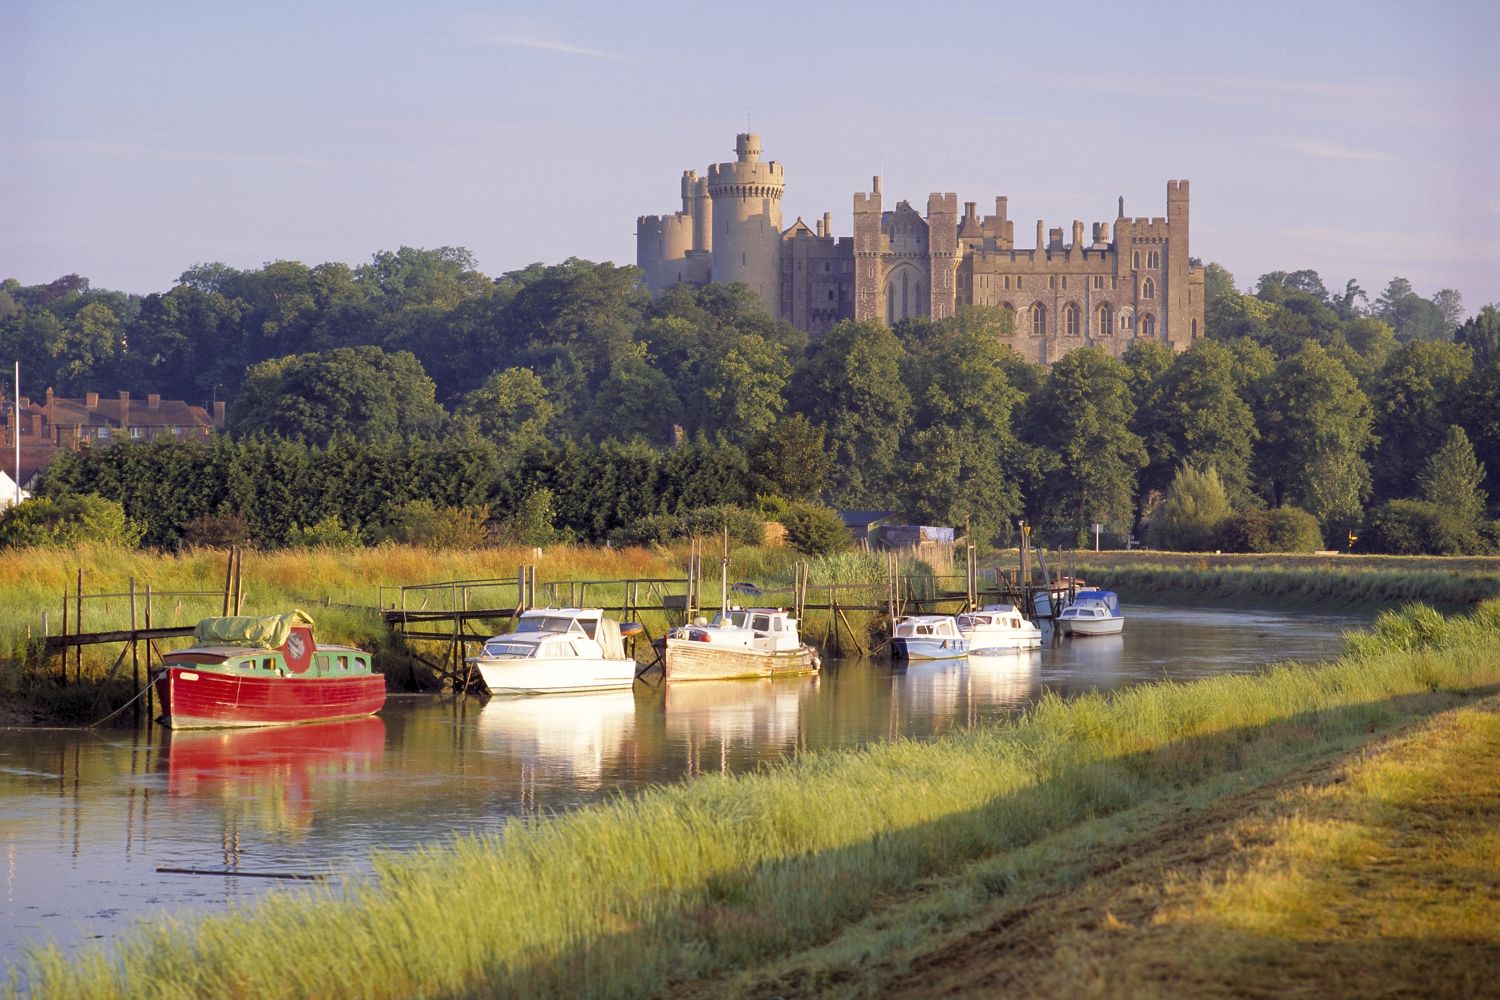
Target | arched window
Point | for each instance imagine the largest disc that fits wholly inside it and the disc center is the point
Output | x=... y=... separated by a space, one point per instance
x=1127 y=321
x=1195 y=329
x=1038 y=321
x=1148 y=289
x=1070 y=319
x=1153 y=259
x=1106 y=321
x=1135 y=259
x=1148 y=326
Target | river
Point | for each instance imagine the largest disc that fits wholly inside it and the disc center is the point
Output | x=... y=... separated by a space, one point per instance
x=87 y=818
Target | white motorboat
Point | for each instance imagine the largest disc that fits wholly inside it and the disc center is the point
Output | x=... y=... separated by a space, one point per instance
x=740 y=642
x=998 y=626
x=555 y=650
x=1092 y=612
x=927 y=637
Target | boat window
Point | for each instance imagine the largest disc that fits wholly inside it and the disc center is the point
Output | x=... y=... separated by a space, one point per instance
x=761 y=623
x=268 y=663
x=344 y=663
x=499 y=647
x=547 y=623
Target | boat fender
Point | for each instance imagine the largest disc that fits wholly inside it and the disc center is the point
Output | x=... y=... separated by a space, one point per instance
x=698 y=636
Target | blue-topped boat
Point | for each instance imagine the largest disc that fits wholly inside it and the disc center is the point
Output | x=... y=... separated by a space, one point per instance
x=1092 y=612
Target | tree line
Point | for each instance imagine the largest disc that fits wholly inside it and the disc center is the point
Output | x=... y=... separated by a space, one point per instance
x=415 y=378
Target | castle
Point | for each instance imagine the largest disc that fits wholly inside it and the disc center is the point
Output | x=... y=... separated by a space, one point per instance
x=899 y=264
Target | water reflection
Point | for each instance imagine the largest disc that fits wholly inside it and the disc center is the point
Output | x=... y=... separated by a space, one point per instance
x=86 y=818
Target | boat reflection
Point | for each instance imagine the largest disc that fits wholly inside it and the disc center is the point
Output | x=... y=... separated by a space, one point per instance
x=573 y=736
x=1005 y=677
x=275 y=773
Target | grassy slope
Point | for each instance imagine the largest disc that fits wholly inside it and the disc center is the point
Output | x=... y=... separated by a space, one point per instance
x=700 y=879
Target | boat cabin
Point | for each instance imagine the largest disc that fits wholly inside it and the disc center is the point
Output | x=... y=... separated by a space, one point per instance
x=770 y=629
x=579 y=621
x=1094 y=604
x=330 y=661
x=993 y=616
x=927 y=627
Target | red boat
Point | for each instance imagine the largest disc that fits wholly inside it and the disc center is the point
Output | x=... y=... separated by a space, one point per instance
x=264 y=672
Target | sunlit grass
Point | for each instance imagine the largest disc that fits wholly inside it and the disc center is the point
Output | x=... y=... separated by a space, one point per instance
x=689 y=880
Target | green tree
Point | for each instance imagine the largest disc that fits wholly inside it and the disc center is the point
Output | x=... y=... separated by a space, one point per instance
x=961 y=460
x=350 y=390
x=790 y=459
x=1315 y=425
x=1194 y=413
x=850 y=385
x=1192 y=516
x=1481 y=333
x=743 y=388
x=511 y=409
x=1080 y=418
x=1453 y=478
x=1417 y=397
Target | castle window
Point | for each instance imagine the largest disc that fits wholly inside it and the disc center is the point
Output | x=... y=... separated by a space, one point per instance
x=1070 y=319
x=1148 y=289
x=1148 y=325
x=1018 y=281
x=1038 y=321
x=1099 y=281
x=1153 y=259
x=1051 y=281
x=1065 y=281
x=1195 y=329
x=1106 y=321
x=1135 y=260
x=1127 y=321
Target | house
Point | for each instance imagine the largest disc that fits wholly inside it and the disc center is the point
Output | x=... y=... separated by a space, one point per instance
x=8 y=490
x=57 y=424
x=864 y=525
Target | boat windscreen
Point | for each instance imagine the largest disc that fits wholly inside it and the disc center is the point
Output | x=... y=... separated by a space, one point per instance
x=513 y=650
x=546 y=623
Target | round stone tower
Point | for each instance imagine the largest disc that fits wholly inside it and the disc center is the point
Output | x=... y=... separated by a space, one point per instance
x=746 y=197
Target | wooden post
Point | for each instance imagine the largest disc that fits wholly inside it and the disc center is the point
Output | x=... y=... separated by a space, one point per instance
x=78 y=625
x=135 y=660
x=65 y=636
x=228 y=580
x=239 y=579
x=150 y=691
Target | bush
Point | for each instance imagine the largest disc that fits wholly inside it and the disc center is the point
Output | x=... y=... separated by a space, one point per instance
x=217 y=531
x=421 y=522
x=746 y=527
x=69 y=521
x=1280 y=529
x=814 y=530
x=1193 y=514
x=329 y=532
x=1419 y=527
x=531 y=523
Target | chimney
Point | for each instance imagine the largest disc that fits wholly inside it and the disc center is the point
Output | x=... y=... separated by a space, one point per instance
x=153 y=401
x=828 y=224
x=36 y=425
x=219 y=405
x=91 y=400
x=124 y=409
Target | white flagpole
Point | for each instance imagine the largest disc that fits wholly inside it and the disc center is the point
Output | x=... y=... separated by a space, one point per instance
x=16 y=406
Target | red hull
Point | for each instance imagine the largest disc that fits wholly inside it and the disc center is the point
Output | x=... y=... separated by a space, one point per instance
x=199 y=698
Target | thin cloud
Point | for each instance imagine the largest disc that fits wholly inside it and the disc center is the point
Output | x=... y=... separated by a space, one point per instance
x=522 y=42
x=1325 y=150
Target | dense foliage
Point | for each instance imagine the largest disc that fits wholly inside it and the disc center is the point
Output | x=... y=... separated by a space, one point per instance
x=565 y=401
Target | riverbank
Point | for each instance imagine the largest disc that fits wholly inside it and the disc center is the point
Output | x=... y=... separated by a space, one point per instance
x=702 y=881
x=1323 y=582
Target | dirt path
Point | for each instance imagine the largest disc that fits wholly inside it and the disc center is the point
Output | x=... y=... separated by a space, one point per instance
x=1112 y=932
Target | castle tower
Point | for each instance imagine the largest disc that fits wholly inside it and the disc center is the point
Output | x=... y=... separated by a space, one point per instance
x=1183 y=294
x=867 y=304
x=746 y=221
x=942 y=249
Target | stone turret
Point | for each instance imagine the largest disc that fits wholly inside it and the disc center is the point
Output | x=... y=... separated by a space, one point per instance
x=746 y=196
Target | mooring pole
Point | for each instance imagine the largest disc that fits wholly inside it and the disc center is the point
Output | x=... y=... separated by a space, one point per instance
x=135 y=661
x=150 y=690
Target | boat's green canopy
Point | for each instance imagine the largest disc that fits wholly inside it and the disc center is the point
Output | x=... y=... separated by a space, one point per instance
x=266 y=632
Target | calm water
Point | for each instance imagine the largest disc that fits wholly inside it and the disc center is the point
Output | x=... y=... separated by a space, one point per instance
x=86 y=818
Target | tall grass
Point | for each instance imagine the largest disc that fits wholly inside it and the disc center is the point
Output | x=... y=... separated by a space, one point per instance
x=622 y=899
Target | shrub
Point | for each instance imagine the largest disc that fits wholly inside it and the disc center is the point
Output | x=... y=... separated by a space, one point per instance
x=329 y=532
x=217 y=531
x=69 y=521
x=531 y=523
x=746 y=527
x=421 y=522
x=1190 y=518
x=815 y=530
x=1419 y=527
x=1280 y=529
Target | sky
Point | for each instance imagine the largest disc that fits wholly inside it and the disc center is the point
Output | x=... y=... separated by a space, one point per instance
x=140 y=138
